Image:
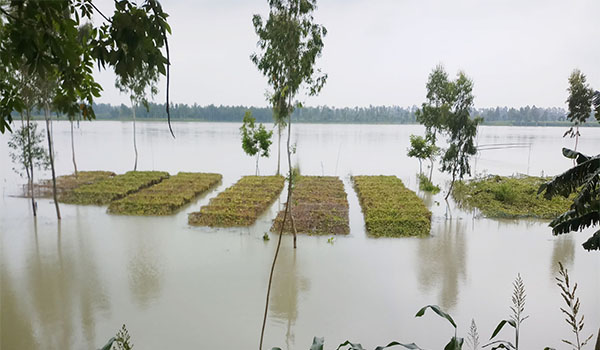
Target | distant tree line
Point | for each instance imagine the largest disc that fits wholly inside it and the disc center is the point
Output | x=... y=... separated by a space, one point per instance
x=324 y=114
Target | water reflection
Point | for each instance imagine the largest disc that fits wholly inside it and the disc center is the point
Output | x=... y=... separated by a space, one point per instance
x=442 y=261
x=563 y=250
x=286 y=290
x=145 y=270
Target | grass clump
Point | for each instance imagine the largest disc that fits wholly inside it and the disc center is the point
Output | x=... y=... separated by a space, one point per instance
x=319 y=206
x=167 y=196
x=390 y=209
x=509 y=197
x=67 y=183
x=426 y=185
x=108 y=190
x=240 y=204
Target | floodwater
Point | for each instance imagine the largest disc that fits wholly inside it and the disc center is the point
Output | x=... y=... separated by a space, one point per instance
x=72 y=284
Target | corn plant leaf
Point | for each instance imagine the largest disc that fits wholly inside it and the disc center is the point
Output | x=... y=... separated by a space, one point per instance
x=352 y=346
x=501 y=344
x=317 y=343
x=438 y=311
x=502 y=324
x=109 y=344
x=454 y=344
x=411 y=346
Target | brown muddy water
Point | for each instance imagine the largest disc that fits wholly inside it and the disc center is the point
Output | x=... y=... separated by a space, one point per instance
x=71 y=285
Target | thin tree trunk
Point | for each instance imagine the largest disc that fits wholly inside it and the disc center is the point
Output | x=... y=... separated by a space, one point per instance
x=51 y=152
x=451 y=185
x=134 y=142
x=420 y=166
x=30 y=163
x=431 y=169
x=598 y=342
x=73 y=147
x=289 y=154
x=257 y=155
x=278 y=147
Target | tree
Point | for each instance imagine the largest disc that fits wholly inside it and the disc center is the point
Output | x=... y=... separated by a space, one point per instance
x=448 y=111
x=580 y=101
x=289 y=42
x=422 y=148
x=43 y=37
x=256 y=140
x=28 y=153
x=136 y=86
x=584 y=180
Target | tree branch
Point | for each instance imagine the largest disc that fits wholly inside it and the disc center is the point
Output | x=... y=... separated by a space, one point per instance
x=100 y=12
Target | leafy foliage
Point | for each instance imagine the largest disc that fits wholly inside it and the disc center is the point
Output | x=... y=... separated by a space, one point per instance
x=256 y=140
x=27 y=149
x=240 y=204
x=167 y=196
x=390 y=209
x=583 y=180
x=43 y=37
x=448 y=111
x=580 y=102
x=123 y=339
x=422 y=148
x=426 y=185
x=508 y=197
x=320 y=206
x=105 y=191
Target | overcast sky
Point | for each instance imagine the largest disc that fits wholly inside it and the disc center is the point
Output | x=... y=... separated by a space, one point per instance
x=380 y=52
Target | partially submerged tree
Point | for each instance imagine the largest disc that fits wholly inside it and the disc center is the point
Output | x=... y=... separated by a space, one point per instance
x=580 y=101
x=422 y=148
x=138 y=85
x=27 y=153
x=448 y=111
x=256 y=140
x=289 y=42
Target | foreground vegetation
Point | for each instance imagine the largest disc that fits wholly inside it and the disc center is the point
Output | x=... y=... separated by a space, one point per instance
x=67 y=183
x=167 y=196
x=390 y=209
x=320 y=206
x=240 y=204
x=105 y=191
x=509 y=197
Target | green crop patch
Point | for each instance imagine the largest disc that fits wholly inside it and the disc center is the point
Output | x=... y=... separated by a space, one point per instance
x=509 y=197
x=167 y=196
x=240 y=204
x=390 y=209
x=108 y=190
x=319 y=206
x=67 y=183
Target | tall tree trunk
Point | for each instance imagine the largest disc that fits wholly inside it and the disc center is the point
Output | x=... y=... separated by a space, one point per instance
x=420 y=166
x=278 y=147
x=30 y=164
x=451 y=185
x=289 y=154
x=51 y=152
x=73 y=147
x=134 y=142
x=598 y=342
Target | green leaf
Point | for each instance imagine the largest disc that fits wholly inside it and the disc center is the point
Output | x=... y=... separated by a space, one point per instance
x=109 y=344
x=353 y=346
x=500 y=325
x=411 y=346
x=454 y=344
x=438 y=311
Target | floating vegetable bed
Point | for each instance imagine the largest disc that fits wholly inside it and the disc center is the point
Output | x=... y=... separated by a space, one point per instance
x=66 y=183
x=111 y=189
x=165 y=197
x=319 y=206
x=240 y=204
x=509 y=197
x=390 y=209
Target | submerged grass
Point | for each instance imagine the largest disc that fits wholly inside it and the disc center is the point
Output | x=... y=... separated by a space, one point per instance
x=108 y=190
x=390 y=209
x=426 y=185
x=167 y=196
x=509 y=197
x=67 y=183
x=319 y=206
x=240 y=204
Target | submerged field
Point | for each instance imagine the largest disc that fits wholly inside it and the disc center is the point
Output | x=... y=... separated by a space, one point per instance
x=167 y=196
x=105 y=191
x=240 y=204
x=67 y=183
x=390 y=209
x=509 y=197
x=319 y=206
